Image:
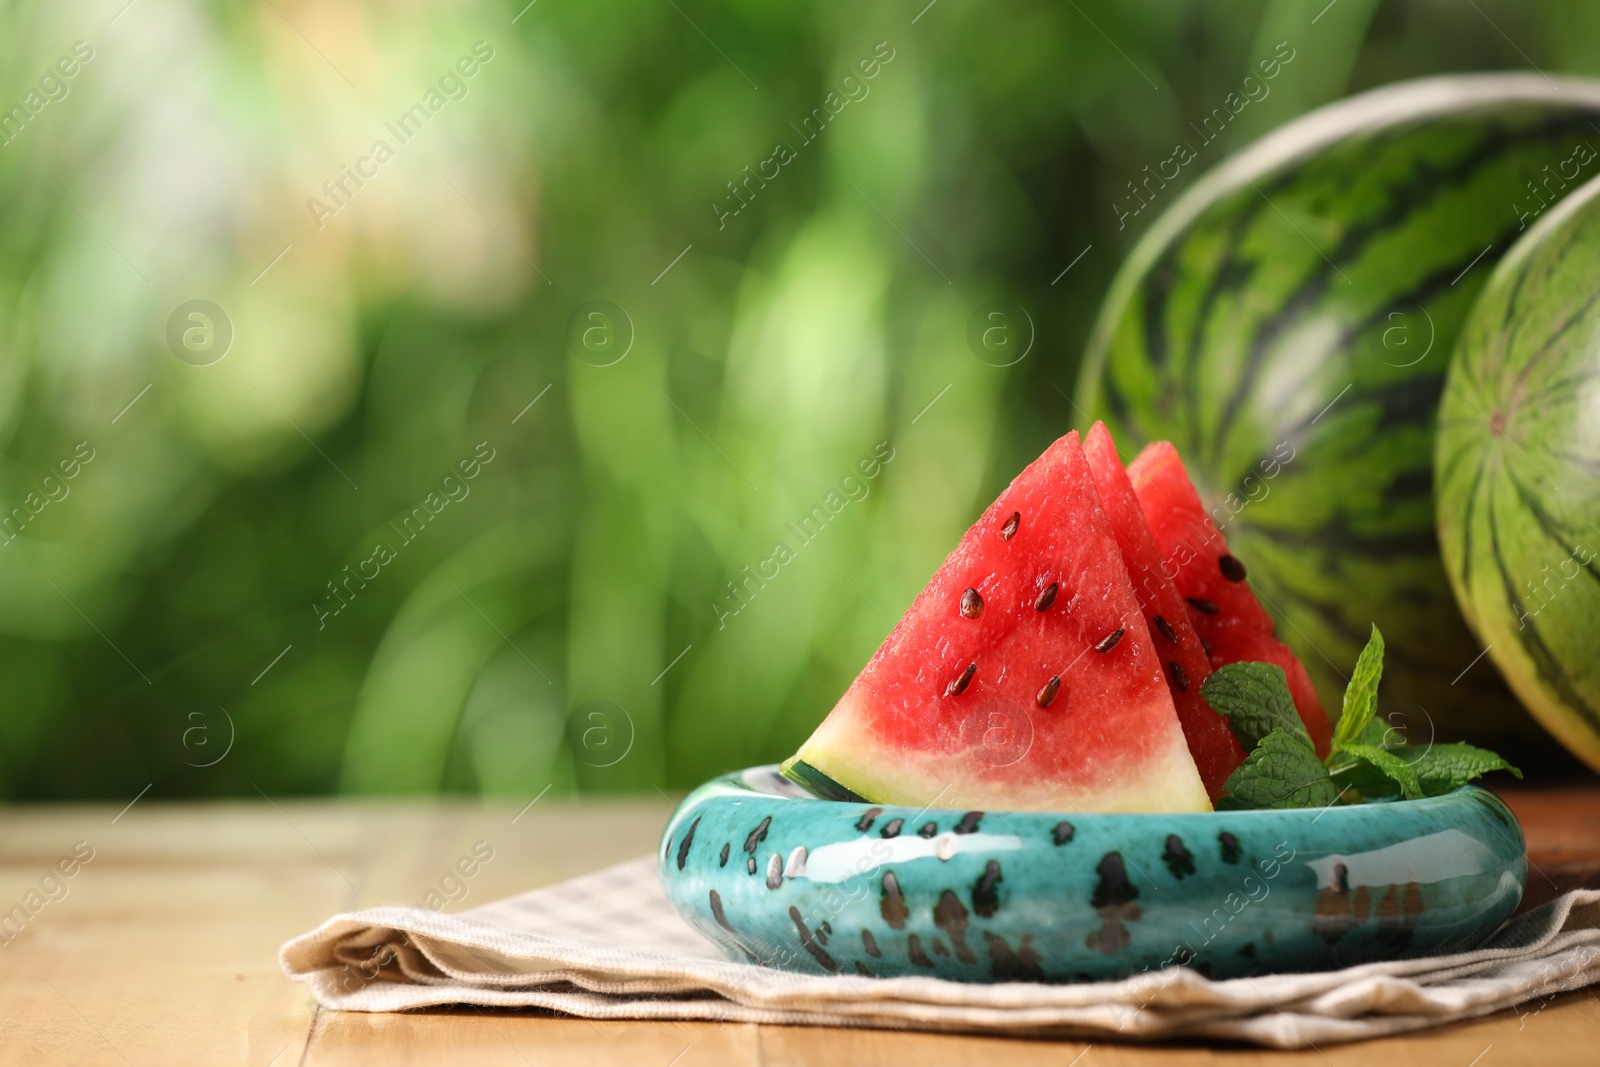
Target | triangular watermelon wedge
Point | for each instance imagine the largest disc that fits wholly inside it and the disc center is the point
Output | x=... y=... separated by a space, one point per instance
x=1224 y=611
x=1216 y=751
x=1022 y=677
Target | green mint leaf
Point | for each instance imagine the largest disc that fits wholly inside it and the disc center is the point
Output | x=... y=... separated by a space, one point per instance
x=1365 y=780
x=1361 y=695
x=1255 y=698
x=1443 y=768
x=1395 y=768
x=1282 y=772
x=1379 y=733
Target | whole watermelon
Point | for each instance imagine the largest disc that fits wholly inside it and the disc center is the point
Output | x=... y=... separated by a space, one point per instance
x=1518 y=470
x=1287 y=322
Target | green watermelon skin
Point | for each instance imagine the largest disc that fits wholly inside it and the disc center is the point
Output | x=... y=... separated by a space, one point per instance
x=1287 y=325
x=1518 y=470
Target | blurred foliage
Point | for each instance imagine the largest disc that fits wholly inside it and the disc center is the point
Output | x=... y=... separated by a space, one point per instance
x=564 y=617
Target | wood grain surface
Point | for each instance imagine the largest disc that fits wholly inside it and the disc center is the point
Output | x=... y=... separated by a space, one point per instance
x=162 y=947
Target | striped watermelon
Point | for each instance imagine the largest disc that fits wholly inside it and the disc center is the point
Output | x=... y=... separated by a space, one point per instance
x=1518 y=470
x=1286 y=324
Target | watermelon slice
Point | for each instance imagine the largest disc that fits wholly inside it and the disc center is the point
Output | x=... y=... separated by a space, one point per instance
x=1211 y=742
x=1022 y=677
x=1225 y=613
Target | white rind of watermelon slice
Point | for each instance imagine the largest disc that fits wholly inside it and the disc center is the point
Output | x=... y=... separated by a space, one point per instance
x=996 y=692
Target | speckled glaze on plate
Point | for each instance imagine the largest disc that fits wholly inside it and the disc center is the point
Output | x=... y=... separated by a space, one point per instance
x=777 y=877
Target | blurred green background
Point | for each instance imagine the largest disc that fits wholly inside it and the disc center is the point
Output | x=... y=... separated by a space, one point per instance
x=273 y=572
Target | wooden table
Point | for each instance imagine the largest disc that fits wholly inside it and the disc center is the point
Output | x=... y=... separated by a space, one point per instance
x=163 y=948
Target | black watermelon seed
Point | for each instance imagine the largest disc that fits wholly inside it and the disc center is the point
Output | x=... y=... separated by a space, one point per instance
x=1230 y=847
x=892 y=828
x=959 y=686
x=758 y=835
x=725 y=848
x=971 y=604
x=718 y=914
x=1202 y=605
x=928 y=830
x=1063 y=832
x=870 y=943
x=914 y=950
x=1179 y=679
x=1205 y=646
x=969 y=823
x=1009 y=530
x=1109 y=641
x=1166 y=629
x=1047 y=597
x=867 y=817
x=1232 y=569
x=688 y=840
x=1047 y=695
x=861 y=969
x=938 y=946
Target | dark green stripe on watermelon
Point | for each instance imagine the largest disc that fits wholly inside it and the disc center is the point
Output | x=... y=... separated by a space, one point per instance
x=818 y=784
x=1552 y=672
x=1517 y=457
x=1278 y=306
x=1421 y=187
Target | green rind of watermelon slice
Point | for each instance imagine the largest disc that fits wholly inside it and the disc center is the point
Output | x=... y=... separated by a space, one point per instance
x=1023 y=676
x=1216 y=752
x=1215 y=584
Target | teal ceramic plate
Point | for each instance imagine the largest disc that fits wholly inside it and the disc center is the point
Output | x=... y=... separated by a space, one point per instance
x=774 y=876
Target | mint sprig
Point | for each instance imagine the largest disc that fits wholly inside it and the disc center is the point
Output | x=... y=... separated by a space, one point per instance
x=1255 y=698
x=1441 y=768
x=1282 y=772
x=1282 y=769
x=1361 y=694
x=1390 y=766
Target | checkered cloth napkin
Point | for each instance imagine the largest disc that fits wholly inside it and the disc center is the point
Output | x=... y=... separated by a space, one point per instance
x=609 y=946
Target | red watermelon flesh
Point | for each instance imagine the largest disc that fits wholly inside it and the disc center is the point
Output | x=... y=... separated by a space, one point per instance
x=1216 y=751
x=1224 y=611
x=1022 y=677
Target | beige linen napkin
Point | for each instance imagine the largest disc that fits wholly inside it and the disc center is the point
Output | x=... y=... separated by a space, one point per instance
x=609 y=946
